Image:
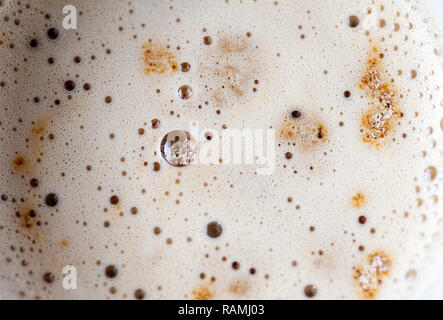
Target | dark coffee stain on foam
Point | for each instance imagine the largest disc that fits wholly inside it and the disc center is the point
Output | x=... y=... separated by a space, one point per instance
x=27 y=216
x=19 y=164
x=306 y=133
x=157 y=59
x=378 y=122
x=369 y=275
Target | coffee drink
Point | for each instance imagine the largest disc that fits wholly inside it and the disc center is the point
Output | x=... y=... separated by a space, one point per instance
x=220 y=149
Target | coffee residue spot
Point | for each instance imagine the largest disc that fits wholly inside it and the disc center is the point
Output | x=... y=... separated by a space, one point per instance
x=304 y=133
x=358 y=200
x=239 y=287
x=27 y=217
x=19 y=163
x=232 y=46
x=203 y=293
x=369 y=275
x=379 y=120
x=234 y=78
x=157 y=59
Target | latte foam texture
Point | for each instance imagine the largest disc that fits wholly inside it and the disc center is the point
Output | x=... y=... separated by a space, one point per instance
x=352 y=90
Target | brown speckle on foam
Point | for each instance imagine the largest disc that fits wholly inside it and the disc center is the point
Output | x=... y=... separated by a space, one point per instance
x=157 y=59
x=358 y=200
x=19 y=163
x=232 y=46
x=203 y=293
x=237 y=63
x=239 y=287
x=304 y=133
x=378 y=121
x=369 y=275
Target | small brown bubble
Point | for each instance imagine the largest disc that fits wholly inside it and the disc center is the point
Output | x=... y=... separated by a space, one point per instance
x=157 y=231
x=347 y=94
x=114 y=200
x=296 y=114
x=48 y=277
x=141 y=131
x=77 y=59
x=235 y=265
x=33 y=43
x=353 y=21
x=87 y=87
x=139 y=294
x=69 y=85
x=111 y=271
x=34 y=183
x=52 y=33
x=288 y=155
x=207 y=40
x=430 y=173
x=156 y=166
x=214 y=229
x=51 y=60
x=51 y=200
x=155 y=123
x=185 y=92
x=134 y=210
x=108 y=99
x=362 y=219
x=185 y=67
x=310 y=291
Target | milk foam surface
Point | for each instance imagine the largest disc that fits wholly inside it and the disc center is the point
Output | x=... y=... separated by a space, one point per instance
x=340 y=214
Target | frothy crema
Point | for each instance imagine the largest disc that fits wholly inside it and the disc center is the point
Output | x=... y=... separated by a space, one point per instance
x=335 y=193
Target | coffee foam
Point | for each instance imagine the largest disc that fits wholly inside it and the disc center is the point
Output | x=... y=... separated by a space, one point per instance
x=301 y=225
